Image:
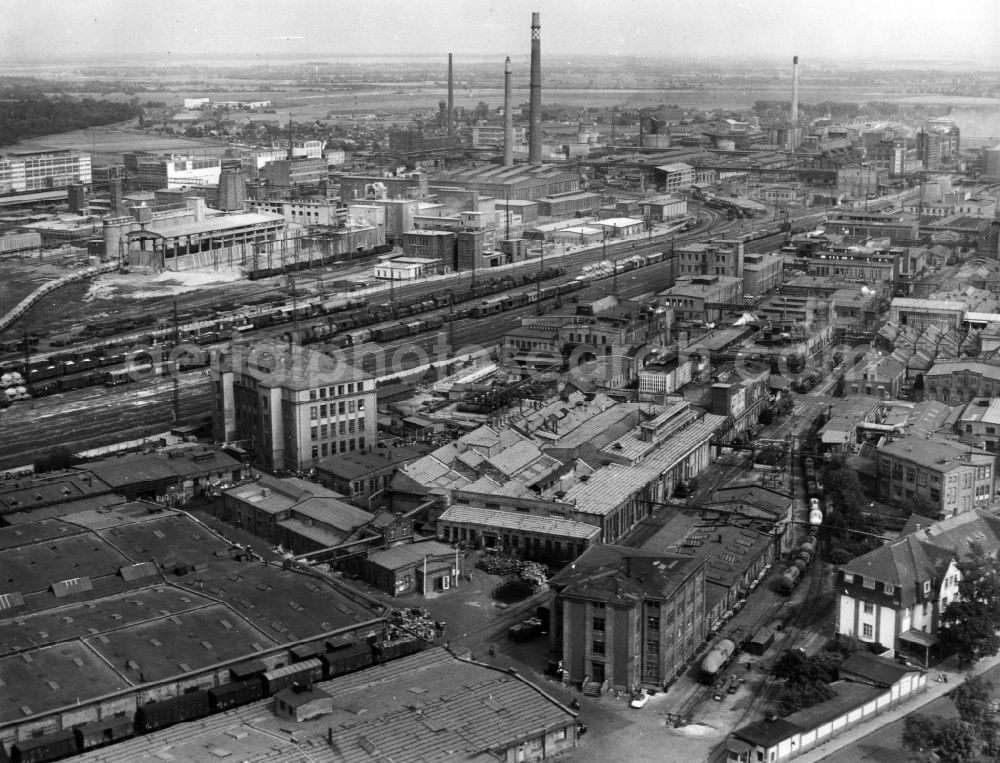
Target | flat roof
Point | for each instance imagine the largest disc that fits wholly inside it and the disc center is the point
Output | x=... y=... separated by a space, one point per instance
x=136 y=468
x=428 y=706
x=125 y=629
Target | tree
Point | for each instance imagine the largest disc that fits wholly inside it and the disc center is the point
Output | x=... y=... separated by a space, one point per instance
x=952 y=740
x=806 y=678
x=969 y=624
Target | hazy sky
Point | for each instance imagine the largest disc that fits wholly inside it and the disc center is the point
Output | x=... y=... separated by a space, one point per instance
x=33 y=30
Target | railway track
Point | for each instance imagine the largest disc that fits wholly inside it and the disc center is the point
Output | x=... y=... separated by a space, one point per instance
x=97 y=416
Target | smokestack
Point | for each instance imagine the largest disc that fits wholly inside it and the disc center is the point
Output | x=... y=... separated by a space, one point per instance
x=508 y=118
x=291 y=149
x=535 y=102
x=794 y=115
x=451 y=99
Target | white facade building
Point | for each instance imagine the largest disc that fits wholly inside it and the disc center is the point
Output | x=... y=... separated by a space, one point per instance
x=43 y=170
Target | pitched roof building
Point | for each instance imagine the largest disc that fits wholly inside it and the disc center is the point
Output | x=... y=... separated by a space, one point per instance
x=895 y=594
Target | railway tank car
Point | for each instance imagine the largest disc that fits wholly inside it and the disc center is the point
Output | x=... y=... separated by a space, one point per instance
x=718 y=657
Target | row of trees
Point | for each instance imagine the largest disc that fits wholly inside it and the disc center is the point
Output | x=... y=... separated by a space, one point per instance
x=29 y=115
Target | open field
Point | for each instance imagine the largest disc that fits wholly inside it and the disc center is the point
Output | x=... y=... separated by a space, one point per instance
x=107 y=144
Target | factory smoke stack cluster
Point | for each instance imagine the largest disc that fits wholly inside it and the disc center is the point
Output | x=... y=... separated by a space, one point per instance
x=508 y=119
x=535 y=101
x=451 y=98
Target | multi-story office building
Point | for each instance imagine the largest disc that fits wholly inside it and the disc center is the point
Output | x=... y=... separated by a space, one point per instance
x=677 y=176
x=627 y=617
x=762 y=273
x=304 y=211
x=291 y=407
x=703 y=298
x=288 y=173
x=950 y=478
x=714 y=258
x=43 y=170
x=492 y=135
x=149 y=172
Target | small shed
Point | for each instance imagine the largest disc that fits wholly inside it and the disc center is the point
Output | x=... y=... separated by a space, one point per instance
x=300 y=703
x=760 y=642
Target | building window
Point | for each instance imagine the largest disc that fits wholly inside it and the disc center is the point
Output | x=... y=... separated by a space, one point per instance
x=597 y=647
x=653 y=623
x=889 y=589
x=322 y=411
x=652 y=647
x=867 y=630
x=868 y=583
x=313 y=411
x=869 y=608
x=361 y=405
x=598 y=624
x=848 y=577
x=927 y=587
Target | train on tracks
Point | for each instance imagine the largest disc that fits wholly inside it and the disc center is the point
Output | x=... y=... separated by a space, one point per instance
x=800 y=564
x=350 y=320
x=248 y=682
x=258 y=274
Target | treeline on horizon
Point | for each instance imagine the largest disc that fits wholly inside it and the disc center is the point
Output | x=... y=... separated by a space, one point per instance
x=27 y=114
x=836 y=109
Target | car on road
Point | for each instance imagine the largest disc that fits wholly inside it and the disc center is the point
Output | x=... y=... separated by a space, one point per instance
x=525 y=630
x=639 y=699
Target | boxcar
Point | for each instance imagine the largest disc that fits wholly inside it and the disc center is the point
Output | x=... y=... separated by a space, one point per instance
x=235 y=693
x=185 y=707
x=248 y=669
x=305 y=672
x=49 y=747
x=346 y=659
x=99 y=733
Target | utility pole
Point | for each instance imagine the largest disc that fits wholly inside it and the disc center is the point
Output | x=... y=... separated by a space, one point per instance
x=295 y=304
x=175 y=370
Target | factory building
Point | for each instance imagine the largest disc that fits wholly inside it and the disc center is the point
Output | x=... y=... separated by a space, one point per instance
x=43 y=170
x=149 y=172
x=222 y=241
x=520 y=182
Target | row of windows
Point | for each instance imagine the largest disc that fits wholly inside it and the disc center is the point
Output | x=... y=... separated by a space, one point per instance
x=330 y=449
x=323 y=431
x=342 y=408
x=324 y=392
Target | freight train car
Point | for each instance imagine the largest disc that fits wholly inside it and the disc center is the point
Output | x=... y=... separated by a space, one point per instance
x=718 y=657
x=166 y=712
